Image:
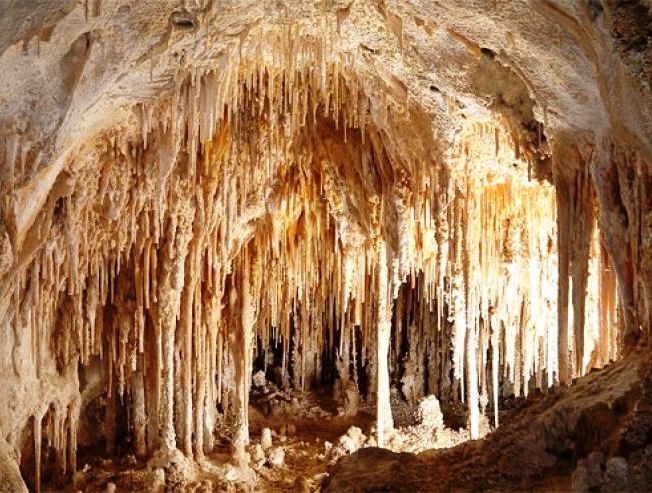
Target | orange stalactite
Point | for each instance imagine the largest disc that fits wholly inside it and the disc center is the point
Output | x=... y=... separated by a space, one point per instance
x=240 y=215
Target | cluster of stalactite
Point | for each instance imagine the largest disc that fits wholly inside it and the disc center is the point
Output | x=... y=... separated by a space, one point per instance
x=271 y=201
x=492 y=323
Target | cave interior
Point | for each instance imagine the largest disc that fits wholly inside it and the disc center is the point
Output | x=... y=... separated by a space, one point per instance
x=333 y=245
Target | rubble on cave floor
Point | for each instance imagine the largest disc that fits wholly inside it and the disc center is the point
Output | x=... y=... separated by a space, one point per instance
x=295 y=439
x=591 y=437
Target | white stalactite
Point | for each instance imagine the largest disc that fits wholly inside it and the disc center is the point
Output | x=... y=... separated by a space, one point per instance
x=238 y=213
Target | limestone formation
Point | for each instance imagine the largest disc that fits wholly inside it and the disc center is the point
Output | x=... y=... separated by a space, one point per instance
x=380 y=201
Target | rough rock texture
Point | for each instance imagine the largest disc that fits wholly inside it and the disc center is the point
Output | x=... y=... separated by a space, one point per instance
x=536 y=451
x=357 y=190
x=10 y=480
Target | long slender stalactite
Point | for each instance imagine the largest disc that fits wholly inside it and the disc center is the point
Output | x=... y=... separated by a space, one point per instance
x=319 y=253
x=284 y=207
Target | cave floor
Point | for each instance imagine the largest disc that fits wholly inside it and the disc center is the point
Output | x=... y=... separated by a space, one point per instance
x=305 y=461
x=535 y=449
x=305 y=458
x=592 y=436
x=312 y=437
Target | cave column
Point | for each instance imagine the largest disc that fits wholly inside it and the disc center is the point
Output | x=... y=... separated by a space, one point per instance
x=384 y=421
x=200 y=338
x=212 y=323
x=574 y=233
x=563 y=249
x=613 y=222
x=154 y=346
x=242 y=356
x=169 y=301
x=186 y=326
x=10 y=476
x=469 y=245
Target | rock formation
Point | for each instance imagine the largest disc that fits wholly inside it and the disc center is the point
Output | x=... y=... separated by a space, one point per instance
x=448 y=198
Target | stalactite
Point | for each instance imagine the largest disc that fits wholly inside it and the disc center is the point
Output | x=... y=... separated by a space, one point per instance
x=238 y=213
x=495 y=362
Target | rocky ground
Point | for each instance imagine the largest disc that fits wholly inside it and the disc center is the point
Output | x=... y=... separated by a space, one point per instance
x=594 y=436
x=295 y=440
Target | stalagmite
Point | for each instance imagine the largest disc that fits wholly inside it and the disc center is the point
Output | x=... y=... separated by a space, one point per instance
x=139 y=416
x=38 y=433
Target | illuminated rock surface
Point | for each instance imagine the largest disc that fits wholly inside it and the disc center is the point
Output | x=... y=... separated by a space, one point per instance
x=370 y=202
